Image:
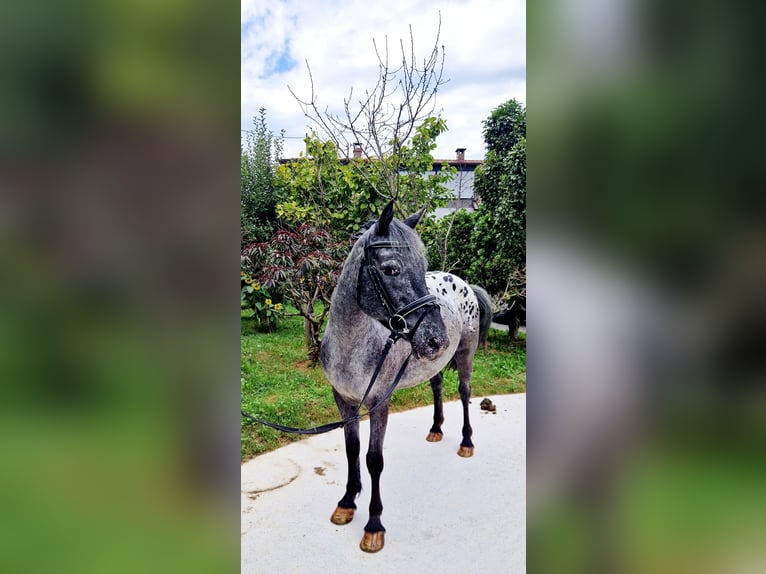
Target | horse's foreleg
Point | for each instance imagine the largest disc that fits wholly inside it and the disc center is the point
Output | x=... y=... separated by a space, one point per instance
x=435 y=434
x=344 y=512
x=374 y=532
x=464 y=370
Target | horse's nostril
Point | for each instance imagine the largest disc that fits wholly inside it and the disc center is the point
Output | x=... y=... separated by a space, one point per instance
x=434 y=343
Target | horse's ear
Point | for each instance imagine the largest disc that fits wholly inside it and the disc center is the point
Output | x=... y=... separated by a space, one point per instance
x=413 y=219
x=381 y=228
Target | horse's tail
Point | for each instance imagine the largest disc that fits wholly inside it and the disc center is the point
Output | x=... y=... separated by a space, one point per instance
x=485 y=312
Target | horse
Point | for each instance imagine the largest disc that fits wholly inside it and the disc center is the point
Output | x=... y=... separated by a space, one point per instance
x=514 y=316
x=383 y=291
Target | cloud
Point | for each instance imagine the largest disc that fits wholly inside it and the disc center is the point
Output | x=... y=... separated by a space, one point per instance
x=485 y=59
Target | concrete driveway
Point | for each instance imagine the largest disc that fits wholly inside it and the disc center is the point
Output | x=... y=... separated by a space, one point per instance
x=442 y=513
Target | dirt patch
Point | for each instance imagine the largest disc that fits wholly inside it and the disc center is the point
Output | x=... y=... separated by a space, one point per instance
x=319 y=470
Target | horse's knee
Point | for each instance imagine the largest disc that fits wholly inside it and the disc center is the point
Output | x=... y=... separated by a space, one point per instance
x=464 y=390
x=353 y=447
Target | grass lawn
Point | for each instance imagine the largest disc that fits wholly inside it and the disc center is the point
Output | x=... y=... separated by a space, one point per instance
x=279 y=385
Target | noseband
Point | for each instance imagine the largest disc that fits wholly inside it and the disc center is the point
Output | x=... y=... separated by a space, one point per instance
x=397 y=318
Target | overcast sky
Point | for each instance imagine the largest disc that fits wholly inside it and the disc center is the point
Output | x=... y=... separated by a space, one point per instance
x=485 y=44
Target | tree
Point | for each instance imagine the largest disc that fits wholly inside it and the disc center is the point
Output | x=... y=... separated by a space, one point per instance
x=502 y=187
x=384 y=121
x=323 y=191
x=258 y=157
x=303 y=266
x=450 y=242
x=505 y=126
x=339 y=194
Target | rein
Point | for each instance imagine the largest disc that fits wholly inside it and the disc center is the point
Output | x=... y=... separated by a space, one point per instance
x=392 y=338
x=397 y=323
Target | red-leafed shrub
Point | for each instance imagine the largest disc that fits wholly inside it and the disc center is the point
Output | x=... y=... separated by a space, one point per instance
x=301 y=266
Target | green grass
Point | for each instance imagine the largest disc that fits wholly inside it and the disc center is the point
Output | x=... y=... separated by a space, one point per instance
x=279 y=385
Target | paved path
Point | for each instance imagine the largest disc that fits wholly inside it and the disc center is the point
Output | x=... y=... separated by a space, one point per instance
x=499 y=327
x=442 y=513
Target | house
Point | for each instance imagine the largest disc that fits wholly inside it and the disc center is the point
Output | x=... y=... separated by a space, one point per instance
x=463 y=196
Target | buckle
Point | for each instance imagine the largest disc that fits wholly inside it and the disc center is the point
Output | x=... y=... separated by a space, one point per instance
x=398 y=319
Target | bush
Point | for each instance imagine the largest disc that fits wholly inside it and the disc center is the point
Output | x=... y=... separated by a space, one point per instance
x=266 y=311
x=450 y=242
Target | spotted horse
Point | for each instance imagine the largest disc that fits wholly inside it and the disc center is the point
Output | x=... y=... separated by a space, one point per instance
x=437 y=317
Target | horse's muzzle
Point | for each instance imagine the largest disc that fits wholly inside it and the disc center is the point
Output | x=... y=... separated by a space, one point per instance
x=430 y=341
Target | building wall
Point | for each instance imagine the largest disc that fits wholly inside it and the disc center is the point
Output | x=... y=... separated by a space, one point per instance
x=462 y=185
x=462 y=188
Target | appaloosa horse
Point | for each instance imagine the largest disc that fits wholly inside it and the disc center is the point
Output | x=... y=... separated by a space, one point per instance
x=436 y=317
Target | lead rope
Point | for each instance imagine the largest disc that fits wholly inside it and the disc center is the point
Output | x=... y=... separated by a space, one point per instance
x=392 y=338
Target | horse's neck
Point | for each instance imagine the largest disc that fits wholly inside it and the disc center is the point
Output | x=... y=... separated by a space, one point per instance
x=345 y=311
x=345 y=314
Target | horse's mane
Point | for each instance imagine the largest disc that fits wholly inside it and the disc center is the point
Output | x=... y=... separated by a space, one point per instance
x=365 y=226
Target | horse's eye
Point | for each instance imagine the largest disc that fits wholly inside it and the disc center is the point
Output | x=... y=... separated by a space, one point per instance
x=390 y=270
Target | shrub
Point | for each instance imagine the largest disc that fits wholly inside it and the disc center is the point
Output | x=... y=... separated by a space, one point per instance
x=266 y=311
x=449 y=242
x=302 y=266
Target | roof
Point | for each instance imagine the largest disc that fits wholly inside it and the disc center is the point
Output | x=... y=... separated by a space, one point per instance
x=463 y=163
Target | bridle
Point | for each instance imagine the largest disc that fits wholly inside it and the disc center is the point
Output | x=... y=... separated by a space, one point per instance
x=397 y=318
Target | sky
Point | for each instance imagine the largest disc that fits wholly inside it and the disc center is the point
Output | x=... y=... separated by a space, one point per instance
x=485 y=59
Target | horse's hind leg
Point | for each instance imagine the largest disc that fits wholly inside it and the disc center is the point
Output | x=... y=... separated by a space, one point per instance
x=465 y=369
x=374 y=533
x=435 y=434
x=344 y=512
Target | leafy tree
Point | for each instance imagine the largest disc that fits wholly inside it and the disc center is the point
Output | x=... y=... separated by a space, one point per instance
x=415 y=189
x=488 y=246
x=450 y=242
x=258 y=157
x=323 y=191
x=340 y=194
x=504 y=127
x=500 y=246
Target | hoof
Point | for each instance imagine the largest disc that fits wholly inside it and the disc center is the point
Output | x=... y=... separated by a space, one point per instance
x=342 y=515
x=465 y=451
x=372 y=541
x=434 y=437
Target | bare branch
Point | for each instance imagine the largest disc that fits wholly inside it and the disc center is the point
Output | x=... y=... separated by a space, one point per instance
x=385 y=118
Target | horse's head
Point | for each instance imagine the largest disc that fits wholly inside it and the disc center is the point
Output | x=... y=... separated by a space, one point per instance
x=392 y=287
